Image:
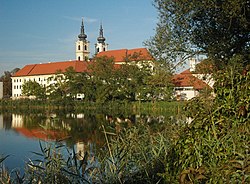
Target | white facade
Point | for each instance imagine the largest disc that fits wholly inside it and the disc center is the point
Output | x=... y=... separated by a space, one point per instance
x=188 y=79
x=101 y=47
x=82 y=50
x=185 y=93
x=17 y=83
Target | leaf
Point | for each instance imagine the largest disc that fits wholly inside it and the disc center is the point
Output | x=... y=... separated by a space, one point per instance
x=200 y=177
x=2 y=159
x=36 y=166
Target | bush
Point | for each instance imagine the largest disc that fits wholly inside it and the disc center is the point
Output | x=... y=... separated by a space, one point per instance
x=215 y=146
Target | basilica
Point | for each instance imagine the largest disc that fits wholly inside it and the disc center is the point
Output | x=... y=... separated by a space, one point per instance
x=43 y=72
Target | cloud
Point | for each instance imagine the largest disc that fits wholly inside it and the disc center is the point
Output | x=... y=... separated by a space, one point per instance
x=78 y=19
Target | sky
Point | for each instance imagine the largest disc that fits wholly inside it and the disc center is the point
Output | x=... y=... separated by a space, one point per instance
x=40 y=31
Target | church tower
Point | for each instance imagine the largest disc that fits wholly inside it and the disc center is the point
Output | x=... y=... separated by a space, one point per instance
x=82 y=46
x=101 y=45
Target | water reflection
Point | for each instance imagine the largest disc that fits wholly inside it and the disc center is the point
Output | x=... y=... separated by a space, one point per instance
x=19 y=133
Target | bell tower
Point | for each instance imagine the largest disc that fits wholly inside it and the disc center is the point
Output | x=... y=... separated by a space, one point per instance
x=101 y=46
x=82 y=46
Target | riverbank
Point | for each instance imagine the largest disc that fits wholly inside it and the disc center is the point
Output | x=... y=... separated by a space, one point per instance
x=31 y=105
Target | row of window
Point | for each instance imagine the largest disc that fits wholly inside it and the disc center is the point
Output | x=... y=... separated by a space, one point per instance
x=34 y=79
x=17 y=80
x=16 y=87
x=85 y=47
x=17 y=95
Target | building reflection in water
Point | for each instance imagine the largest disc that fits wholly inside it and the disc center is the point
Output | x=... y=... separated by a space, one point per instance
x=17 y=121
x=54 y=128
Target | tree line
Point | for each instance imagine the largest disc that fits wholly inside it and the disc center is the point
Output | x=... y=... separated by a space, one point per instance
x=104 y=81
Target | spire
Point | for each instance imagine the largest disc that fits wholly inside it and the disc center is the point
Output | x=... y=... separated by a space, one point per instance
x=101 y=38
x=82 y=36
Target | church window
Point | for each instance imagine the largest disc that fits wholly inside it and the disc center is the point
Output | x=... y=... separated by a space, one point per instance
x=98 y=50
x=79 y=47
x=104 y=49
x=79 y=58
x=85 y=47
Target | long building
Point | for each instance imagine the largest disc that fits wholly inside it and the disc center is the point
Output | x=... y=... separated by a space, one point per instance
x=190 y=82
x=43 y=72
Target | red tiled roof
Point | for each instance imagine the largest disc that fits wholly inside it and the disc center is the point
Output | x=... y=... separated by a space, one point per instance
x=125 y=54
x=81 y=66
x=41 y=133
x=51 y=68
x=186 y=79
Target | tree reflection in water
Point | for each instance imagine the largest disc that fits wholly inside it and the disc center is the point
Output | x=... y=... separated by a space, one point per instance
x=81 y=131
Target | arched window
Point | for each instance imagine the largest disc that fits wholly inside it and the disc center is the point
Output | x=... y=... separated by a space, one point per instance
x=85 y=47
x=104 y=49
x=98 y=50
x=79 y=58
x=79 y=47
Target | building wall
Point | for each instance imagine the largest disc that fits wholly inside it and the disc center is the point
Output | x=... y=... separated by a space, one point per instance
x=207 y=78
x=185 y=93
x=17 y=83
x=1 y=90
x=82 y=50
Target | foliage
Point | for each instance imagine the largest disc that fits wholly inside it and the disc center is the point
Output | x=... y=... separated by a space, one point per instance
x=217 y=28
x=136 y=154
x=215 y=146
x=53 y=167
x=32 y=88
x=6 y=79
x=159 y=85
x=139 y=147
x=106 y=81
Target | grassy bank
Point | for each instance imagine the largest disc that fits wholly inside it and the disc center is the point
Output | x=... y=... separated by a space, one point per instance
x=29 y=105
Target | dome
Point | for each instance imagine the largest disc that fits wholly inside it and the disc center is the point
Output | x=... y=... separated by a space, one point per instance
x=82 y=36
x=101 y=39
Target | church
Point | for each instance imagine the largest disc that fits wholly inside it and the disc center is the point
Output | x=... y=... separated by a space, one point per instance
x=43 y=72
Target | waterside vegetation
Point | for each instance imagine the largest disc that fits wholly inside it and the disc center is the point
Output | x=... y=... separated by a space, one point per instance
x=213 y=148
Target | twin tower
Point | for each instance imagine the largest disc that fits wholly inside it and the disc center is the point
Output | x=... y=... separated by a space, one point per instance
x=82 y=45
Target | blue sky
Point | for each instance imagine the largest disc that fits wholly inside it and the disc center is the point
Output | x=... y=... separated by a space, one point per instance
x=38 y=31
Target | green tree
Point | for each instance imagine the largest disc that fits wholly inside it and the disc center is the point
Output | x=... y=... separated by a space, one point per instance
x=7 y=84
x=159 y=84
x=217 y=28
x=130 y=81
x=102 y=79
x=58 y=90
x=32 y=88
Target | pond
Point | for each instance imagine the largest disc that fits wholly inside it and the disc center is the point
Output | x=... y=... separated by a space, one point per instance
x=20 y=133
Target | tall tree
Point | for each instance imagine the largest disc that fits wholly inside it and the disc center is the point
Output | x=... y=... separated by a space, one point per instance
x=218 y=28
x=32 y=88
x=7 y=84
x=102 y=79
